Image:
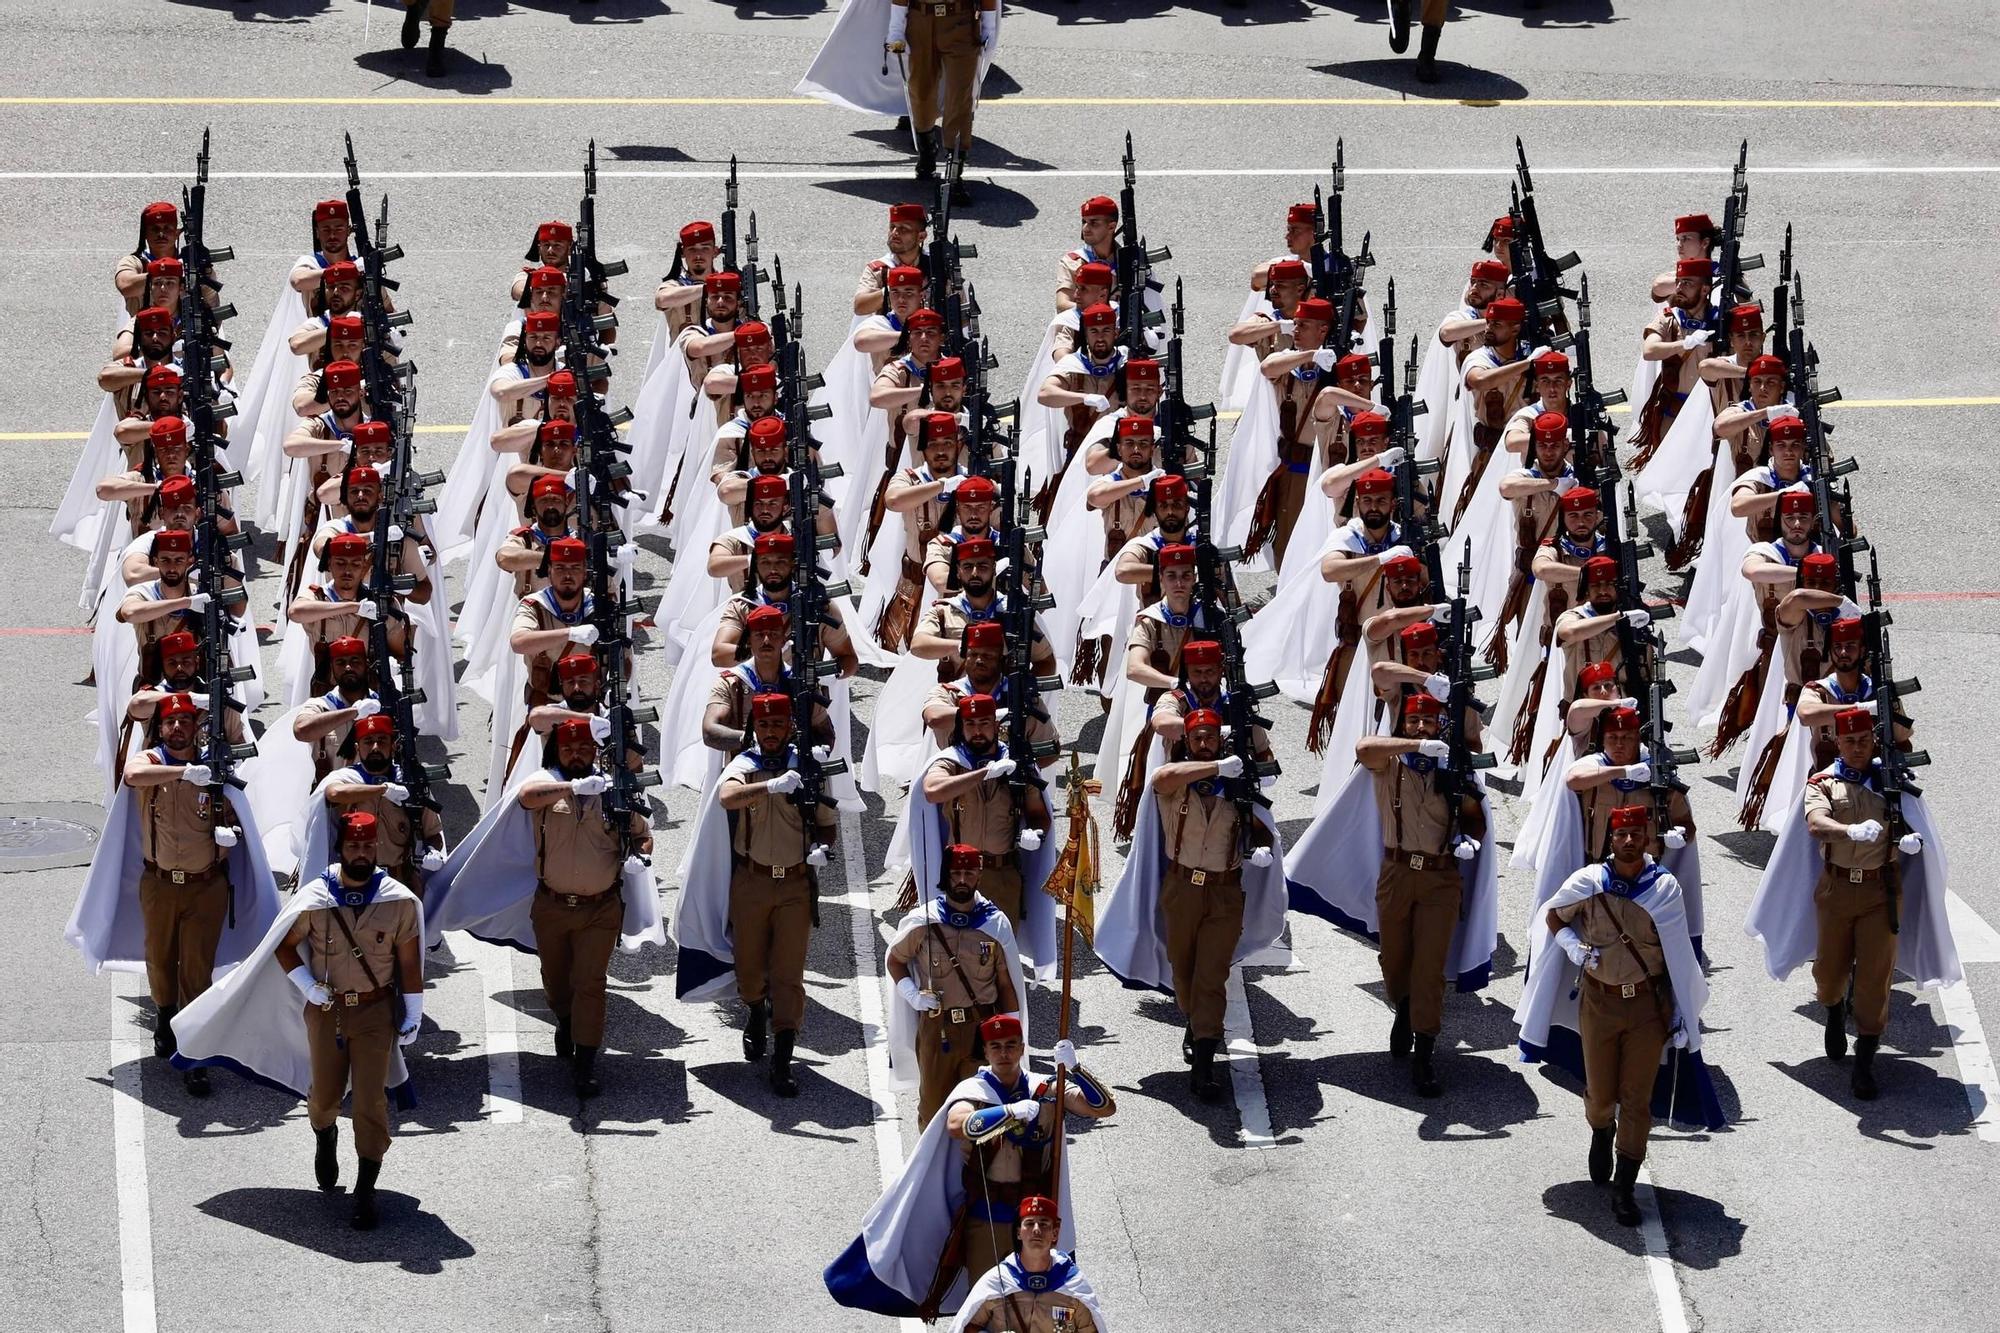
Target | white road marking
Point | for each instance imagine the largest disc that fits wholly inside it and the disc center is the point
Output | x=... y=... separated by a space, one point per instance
x=128 y=1138
x=1246 y=1070
x=1977 y=942
x=1023 y=173
x=503 y=1038
x=1975 y=1060
x=1659 y=1263
x=874 y=1029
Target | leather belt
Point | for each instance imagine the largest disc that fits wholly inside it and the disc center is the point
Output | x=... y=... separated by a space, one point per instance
x=1623 y=990
x=957 y=1015
x=1419 y=860
x=570 y=899
x=1202 y=879
x=180 y=876
x=774 y=872
x=1856 y=875
x=350 y=999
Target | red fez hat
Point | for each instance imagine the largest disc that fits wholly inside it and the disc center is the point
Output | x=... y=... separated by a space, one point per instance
x=964 y=856
x=1135 y=428
x=547 y=278
x=1421 y=635
x=773 y=543
x=348 y=546
x=1201 y=653
x=1596 y=673
x=174 y=541
x=766 y=431
x=575 y=666
x=766 y=616
x=1403 y=567
x=763 y=486
x=1374 y=482
x=1693 y=268
x=1204 y=717
x=347 y=645
x=176 y=491
x=1095 y=275
x=1819 y=570
x=1622 y=719
x=372 y=432
x=170 y=431
x=985 y=634
x=1098 y=206
x=1693 y=224
x=341 y=270
x=1580 y=500
x=906 y=277
x=541 y=321
x=178 y=643
x=153 y=318
x=562 y=384
x=925 y=319
x=330 y=210
x=754 y=334
x=357 y=825
x=377 y=724
x=1421 y=705
x=1369 y=426
x=1632 y=816
x=1505 y=310
x=1285 y=270
x=574 y=729
x=342 y=375
x=1551 y=363
x=1502 y=228
x=977 y=488
x=1488 y=270
x=1796 y=502
x=178 y=704
x=974 y=706
x=344 y=327
x=1098 y=316
x=941 y=426
x=1550 y=426
x=758 y=379
x=1746 y=317
x=166 y=266
x=768 y=704
x=698 y=233
x=1767 y=366
x=723 y=280
x=363 y=474
x=1302 y=215
x=1847 y=629
x=1001 y=1027
x=974 y=548
x=948 y=370
x=1171 y=486
x=158 y=377
x=1180 y=555
x=1354 y=363
x=551 y=487
x=556 y=230
x=1600 y=569
x=1142 y=370
x=556 y=431
x=568 y=551
x=154 y=212
x=908 y=213
x=1785 y=428
x=1852 y=722
x=1314 y=308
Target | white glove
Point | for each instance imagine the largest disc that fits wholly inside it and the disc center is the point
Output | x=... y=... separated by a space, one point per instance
x=1229 y=766
x=395 y=533
x=998 y=769
x=1679 y=1036
x=200 y=700
x=1638 y=618
x=1699 y=338
x=197 y=601
x=989 y=27
x=1868 y=830
x=1465 y=848
x=1285 y=326
x=413 y=1019
x=397 y=793
x=1392 y=458
x=314 y=991
x=1638 y=772
x=225 y=836
x=1027 y=1111
x=1628 y=702
x=817 y=856
x=1097 y=402
x=1393 y=553
x=594 y=785
x=949 y=485
x=1674 y=838
x=785 y=783
x=916 y=999
x=625 y=555
x=1573 y=945
x=1872 y=707
x=636 y=864
x=368 y=611
x=199 y=774
x=433 y=860
x=367 y=708
x=1910 y=844
x=1260 y=857
x=1438 y=686
x=823 y=753
x=583 y=634
x=1029 y=840
x=1064 y=1054
x=600 y=729
x=899 y=25
x=1325 y=357
x=1433 y=748
x=1796 y=488
x=1776 y=410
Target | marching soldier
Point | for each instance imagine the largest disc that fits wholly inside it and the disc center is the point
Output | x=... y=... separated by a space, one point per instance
x=1616 y=776
x=355 y=954
x=373 y=786
x=774 y=562
x=581 y=686
x=924 y=496
x=766 y=504
x=581 y=859
x=1431 y=17
x=906 y=250
x=1589 y=632
x=525 y=553
x=726 y=723
x=326 y=722
x=954 y=962
x=981 y=659
x=1417 y=895
x=1675 y=338
x=439 y=13
x=1695 y=237
x=940 y=635
x=1098 y=228
x=341 y=607
x=968 y=783
x=679 y=294
x=773 y=885
x=1495 y=379
x=1846 y=686
x=1039 y=1289
x=943 y=40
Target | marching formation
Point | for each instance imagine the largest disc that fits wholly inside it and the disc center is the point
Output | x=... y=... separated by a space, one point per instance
x=1432 y=548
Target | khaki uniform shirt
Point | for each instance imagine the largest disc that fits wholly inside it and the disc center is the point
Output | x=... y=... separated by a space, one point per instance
x=575 y=850
x=1161 y=641
x=984 y=816
x=920 y=525
x=1600 y=921
x=1599 y=647
x=378 y=928
x=535 y=614
x=346 y=625
x=1200 y=830
x=1032 y=1312
x=770 y=830
x=393 y=830
x=1806 y=649
x=1415 y=815
x=326 y=750
x=979 y=963
x=1848 y=802
x=1669 y=325
x=177 y=826
x=1493 y=407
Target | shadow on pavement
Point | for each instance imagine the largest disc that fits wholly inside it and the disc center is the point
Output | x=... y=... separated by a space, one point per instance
x=414 y=1240
x=1398 y=74
x=831 y=1106
x=463 y=73
x=265 y=11
x=1701 y=1233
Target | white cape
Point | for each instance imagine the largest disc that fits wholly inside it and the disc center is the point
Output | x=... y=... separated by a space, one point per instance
x=903 y=1074
x=264 y=408
x=848 y=70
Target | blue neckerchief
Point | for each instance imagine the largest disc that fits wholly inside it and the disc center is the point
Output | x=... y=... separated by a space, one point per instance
x=982 y=912
x=1847 y=774
x=894 y=322
x=1419 y=763
x=581 y=614
x=1371 y=547
x=347 y=897
x=1840 y=696
x=917 y=372
x=976 y=615
x=1208 y=786
x=1096 y=371
x=1177 y=621
x=1089 y=255
x=1306 y=373
x=1565 y=546
x=774 y=763
x=1689 y=322
x=334 y=700
x=1824 y=618
x=1017 y=1132
x=1623 y=784
x=968 y=761
x=1786 y=557
x=1629 y=888
x=757 y=684
x=1061 y=1269
x=332 y=423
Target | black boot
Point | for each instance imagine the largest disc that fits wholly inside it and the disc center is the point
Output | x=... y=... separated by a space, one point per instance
x=581 y=1076
x=1422 y=1077
x=365 y=1218
x=412 y=18
x=195 y=1082
x=435 y=65
x=753 y=1030
x=1600 y=1155
x=326 y=1162
x=1427 y=70
x=1399 y=1032
x=782 y=1081
x=1625 y=1208
x=1187 y=1046
x=1863 y=1082
x=1399 y=26
x=1202 y=1079
x=163 y=1033
x=565 y=1044
x=926 y=157
x=1836 y=1031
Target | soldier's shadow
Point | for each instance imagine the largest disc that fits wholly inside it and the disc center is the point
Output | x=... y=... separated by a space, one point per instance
x=265 y=11
x=1456 y=80
x=1916 y=1102
x=463 y=72
x=1222 y=1121
x=828 y=1106
x=1701 y=1233
x=414 y=1240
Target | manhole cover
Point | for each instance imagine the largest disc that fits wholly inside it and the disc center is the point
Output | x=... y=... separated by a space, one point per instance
x=42 y=837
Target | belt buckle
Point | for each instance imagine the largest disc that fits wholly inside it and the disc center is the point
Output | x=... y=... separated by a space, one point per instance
x=350 y=998
x=177 y=876
x=1856 y=875
x=779 y=872
x=958 y=1015
x=571 y=899
x=1416 y=860
x=939 y=11
x=1198 y=877
x=1627 y=991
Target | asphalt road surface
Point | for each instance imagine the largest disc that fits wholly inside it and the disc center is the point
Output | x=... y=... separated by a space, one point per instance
x=1322 y=1194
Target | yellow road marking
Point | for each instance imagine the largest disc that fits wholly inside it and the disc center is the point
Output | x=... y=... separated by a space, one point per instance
x=55 y=436
x=1601 y=103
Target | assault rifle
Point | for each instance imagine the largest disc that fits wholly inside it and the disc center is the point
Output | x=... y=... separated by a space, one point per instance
x=1830 y=503
x=1174 y=417
x=1543 y=324
x=729 y=219
x=1222 y=609
x=1893 y=763
x=1621 y=535
x=1544 y=271
x=1135 y=262
x=1454 y=775
x=1591 y=433
x=598 y=271
x=1734 y=264
x=380 y=373
x=1022 y=590
x=1781 y=295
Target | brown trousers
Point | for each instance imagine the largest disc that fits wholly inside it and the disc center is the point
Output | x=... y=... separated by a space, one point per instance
x=1291 y=501
x=1622 y=1040
x=440 y=11
x=574 y=945
x=1418 y=910
x=946 y=1055
x=944 y=66
x=183 y=927
x=1854 y=937
x=1434 y=12
x=352 y=1047
x=1001 y=883
x=770 y=925
x=1203 y=925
